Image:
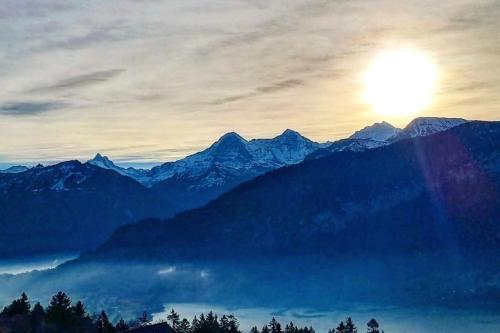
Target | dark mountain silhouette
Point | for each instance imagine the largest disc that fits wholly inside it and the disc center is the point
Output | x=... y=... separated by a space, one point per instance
x=68 y=207
x=420 y=195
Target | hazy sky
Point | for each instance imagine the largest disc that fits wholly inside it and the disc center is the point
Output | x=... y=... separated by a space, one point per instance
x=148 y=81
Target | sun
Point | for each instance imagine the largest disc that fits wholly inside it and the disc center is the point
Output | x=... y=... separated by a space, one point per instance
x=400 y=82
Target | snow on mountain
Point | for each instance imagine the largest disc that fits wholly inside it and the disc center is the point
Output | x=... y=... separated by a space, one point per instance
x=383 y=133
x=424 y=126
x=232 y=154
x=105 y=163
x=58 y=177
x=15 y=169
x=377 y=132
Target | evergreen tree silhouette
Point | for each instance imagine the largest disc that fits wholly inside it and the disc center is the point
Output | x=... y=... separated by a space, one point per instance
x=349 y=326
x=59 y=312
x=144 y=319
x=254 y=330
x=275 y=326
x=37 y=318
x=121 y=325
x=173 y=318
x=341 y=328
x=291 y=328
x=184 y=326
x=195 y=325
x=104 y=325
x=20 y=306
x=372 y=326
x=265 y=329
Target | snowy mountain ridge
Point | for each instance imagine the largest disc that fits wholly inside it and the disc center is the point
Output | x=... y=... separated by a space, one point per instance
x=378 y=132
x=383 y=133
x=15 y=169
x=424 y=126
x=232 y=155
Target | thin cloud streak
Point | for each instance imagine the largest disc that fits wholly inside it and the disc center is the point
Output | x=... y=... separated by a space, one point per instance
x=79 y=81
x=24 y=109
x=262 y=90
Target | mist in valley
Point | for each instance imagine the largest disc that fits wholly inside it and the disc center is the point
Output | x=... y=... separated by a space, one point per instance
x=406 y=294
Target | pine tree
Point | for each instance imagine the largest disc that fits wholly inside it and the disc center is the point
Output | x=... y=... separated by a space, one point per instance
x=59 y=311
x=184 y=326
x=265 y=329
x=212 y=322
x=37 y=318
x=275 y=326
x=350 y=327
x=195 y=325
x=291 y=328
x=224 y=324
x=233 y=325
x=121 y=325
x=144 y=319
x=103 y=324
x=341 y=328
x=79 y=311
x=82 y=320
x=173 y=318
x=254 y=330
x=20 y=306
x=372 y=326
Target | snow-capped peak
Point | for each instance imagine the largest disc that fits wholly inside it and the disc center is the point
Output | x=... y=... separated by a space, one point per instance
x=290 y=137
x=15 y=169
x=230 y=139
x=288 y=133
x=379 y=132
x=102 y=162
x=423 y=126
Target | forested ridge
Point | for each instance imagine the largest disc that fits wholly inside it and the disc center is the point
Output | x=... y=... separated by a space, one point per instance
x=61 y=315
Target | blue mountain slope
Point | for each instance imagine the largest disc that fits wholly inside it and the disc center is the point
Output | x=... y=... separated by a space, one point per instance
x=69 y=207
x=425 y=194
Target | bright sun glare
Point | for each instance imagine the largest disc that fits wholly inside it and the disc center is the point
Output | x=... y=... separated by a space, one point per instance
x=400 y=82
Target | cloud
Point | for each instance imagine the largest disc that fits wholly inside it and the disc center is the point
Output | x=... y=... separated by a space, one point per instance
x=261 y=90
x=80 y=81
x=29 y=108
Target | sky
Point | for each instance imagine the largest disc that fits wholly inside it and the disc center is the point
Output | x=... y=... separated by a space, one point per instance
x=152 y=81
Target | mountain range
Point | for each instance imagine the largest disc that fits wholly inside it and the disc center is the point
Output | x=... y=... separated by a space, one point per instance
x=74 y=206
x=413 y=221
x=383 y=133
x=426 y=194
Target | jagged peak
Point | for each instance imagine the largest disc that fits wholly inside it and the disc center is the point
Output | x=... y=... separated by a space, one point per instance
x=380 y=131
x=426 y=120
x=429 y=125
x=290 y=134
x=100 y=157
x=102 y=161
x=231 y=135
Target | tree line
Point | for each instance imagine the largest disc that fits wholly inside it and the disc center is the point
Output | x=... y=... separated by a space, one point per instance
x=62 y=316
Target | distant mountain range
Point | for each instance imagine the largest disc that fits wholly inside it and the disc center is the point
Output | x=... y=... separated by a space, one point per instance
x=73 y=206
x=15 y=169
x=414 y=221
x=426 y=194
x=69 y=207
x=382 y=134
x=232 y=160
